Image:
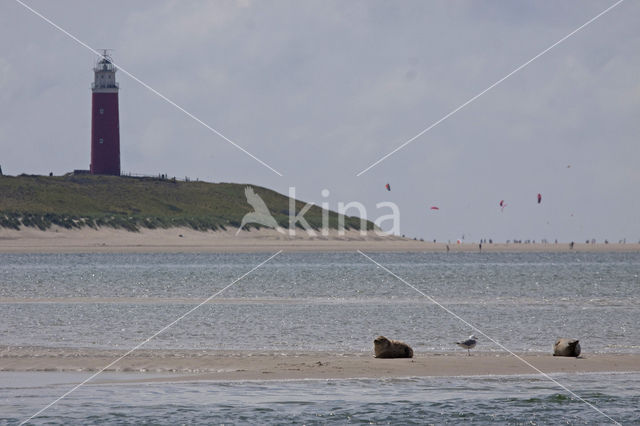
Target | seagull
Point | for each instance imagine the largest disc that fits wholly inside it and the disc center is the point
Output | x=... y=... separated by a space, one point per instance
x=468 y=344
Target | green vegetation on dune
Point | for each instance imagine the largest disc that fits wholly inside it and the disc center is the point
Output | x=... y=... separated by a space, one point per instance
x=134 y=203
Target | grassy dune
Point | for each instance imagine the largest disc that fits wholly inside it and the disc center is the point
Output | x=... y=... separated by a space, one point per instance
x=134 y=203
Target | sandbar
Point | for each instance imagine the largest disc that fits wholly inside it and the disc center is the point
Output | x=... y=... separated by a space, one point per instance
x=194 y=365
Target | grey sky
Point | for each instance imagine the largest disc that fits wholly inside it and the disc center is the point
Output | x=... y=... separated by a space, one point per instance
x=320 y=90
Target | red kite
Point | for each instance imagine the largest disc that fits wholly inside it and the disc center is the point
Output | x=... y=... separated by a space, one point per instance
x=388 y=187
x=540 y=198
x=435 y=208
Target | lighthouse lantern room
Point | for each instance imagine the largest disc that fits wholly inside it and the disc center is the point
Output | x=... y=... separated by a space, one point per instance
x=105 y=129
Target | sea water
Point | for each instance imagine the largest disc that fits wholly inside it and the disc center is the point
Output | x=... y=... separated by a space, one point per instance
x=336 y=302
x=530 y=400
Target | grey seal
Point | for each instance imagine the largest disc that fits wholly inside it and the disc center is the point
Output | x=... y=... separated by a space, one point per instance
x=566 y=347
x=385 y=348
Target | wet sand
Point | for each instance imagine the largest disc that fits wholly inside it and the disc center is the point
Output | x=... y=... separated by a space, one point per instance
x=182 y=240
x=192 y=365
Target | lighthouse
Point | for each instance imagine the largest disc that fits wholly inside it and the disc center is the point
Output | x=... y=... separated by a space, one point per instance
x=105 y=129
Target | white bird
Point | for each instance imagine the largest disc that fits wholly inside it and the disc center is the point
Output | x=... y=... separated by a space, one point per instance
x=261 y=214
x=468 y=344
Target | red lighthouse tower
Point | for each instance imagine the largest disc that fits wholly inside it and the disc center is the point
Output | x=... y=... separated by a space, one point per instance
x=105 y=129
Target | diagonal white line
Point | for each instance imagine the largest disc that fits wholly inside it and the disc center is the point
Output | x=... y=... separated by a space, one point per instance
x=151 y=337
x=490 y=87
x=473 y=327
x=124 y=71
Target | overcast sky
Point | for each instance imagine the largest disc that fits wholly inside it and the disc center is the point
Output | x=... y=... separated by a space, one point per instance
x=319 y=90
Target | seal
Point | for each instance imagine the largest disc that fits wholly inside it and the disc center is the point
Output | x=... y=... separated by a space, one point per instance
x=566 y=347
x=385 y=348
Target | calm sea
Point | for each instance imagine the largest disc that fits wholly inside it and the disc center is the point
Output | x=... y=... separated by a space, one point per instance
x=330 y=302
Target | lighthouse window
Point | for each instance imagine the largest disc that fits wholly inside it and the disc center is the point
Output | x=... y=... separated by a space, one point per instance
x=101 y=140
x=101 y=110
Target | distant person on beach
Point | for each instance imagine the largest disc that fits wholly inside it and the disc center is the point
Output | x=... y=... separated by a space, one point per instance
x=447 y=248
x=571 y=245
x=480 y=247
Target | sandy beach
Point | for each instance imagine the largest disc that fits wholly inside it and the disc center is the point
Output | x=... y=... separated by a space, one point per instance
x=190 y=365
x=183 y=240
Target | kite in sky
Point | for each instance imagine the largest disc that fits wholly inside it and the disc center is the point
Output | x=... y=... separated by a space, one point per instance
x=435 y=208
x=540 y=198
x=388 y=187
x=502 y=205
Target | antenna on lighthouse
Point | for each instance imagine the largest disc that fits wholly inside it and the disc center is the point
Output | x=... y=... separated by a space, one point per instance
x=106 y=53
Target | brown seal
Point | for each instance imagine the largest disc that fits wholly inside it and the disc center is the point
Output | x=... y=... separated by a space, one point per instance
x=566 y=347
x=385 y=348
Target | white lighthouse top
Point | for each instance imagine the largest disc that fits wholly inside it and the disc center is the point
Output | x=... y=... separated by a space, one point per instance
x=105 y=75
